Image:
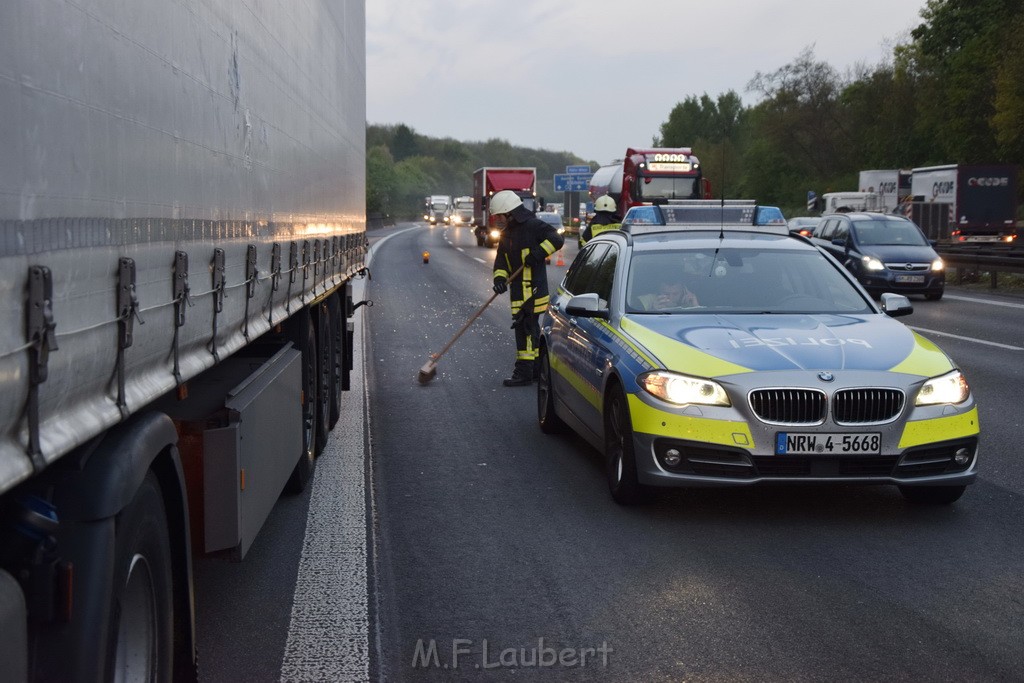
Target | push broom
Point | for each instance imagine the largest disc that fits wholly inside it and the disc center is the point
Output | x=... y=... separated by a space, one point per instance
x=429 y=369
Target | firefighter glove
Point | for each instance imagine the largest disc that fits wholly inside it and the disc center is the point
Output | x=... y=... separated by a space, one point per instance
x=500 y=285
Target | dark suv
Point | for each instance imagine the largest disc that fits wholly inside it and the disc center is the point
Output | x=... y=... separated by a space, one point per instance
x=886 y=252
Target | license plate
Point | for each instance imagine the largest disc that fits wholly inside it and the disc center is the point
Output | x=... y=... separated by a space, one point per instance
x=795 y=443
x=910 y=279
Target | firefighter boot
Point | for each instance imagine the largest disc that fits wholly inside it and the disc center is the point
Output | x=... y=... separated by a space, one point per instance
x=522 y=375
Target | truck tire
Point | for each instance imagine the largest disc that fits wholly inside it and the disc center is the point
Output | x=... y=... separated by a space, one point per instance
x=324 y=375
x=337 y=357
x=306 y=344
x=140 y=646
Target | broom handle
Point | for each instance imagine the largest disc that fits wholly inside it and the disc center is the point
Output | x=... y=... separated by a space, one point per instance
x=476 y=315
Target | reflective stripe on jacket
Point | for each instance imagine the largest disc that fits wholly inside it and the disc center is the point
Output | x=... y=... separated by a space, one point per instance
x=526 y=235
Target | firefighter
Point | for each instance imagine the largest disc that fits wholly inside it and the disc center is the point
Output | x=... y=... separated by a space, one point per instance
x=525 y=241
x=604 y=219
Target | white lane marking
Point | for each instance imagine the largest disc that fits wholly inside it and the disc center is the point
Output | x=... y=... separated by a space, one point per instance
x=1008 y=304
x=459 y=249
x=970 y=339
x=476 y=258
x=328 y=636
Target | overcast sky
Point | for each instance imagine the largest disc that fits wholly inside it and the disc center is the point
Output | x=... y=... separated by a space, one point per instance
x=594 y=77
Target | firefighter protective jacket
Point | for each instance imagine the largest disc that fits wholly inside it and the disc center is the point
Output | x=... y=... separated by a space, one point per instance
x=526 y=236
x=602 y=221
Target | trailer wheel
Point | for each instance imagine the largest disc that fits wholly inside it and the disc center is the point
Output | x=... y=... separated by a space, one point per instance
x=306 y=343
x=324 y=375
x=142 y=613
x=337 y=359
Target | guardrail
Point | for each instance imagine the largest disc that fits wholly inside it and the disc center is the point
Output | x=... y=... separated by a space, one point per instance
x=978 y=259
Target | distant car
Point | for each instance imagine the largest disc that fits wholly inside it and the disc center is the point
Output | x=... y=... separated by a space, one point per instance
x=885 y=252
x=772 y=366
x=553 y=219
x=803 y=225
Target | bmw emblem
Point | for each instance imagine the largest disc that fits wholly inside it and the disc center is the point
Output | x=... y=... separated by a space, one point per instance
x=826 y=376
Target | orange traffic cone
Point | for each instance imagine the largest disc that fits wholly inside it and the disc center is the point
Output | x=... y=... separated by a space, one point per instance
x=561 y=260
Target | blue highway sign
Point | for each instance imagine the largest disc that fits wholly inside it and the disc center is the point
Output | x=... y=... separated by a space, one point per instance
x=565 y=182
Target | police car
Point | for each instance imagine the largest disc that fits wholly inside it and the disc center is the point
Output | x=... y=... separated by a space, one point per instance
x=702 y=346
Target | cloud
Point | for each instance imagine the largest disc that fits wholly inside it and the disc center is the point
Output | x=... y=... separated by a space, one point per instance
x=596 y=77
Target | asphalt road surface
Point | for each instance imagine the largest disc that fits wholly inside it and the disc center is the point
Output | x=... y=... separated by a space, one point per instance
x=495 y=552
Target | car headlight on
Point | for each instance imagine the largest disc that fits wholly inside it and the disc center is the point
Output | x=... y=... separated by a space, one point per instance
x=682 y=390
x=937 y=265
x=871 y=263
x=495 y=234
x=949 y=388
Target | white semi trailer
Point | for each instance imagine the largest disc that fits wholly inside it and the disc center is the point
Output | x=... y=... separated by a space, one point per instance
x=182 y=210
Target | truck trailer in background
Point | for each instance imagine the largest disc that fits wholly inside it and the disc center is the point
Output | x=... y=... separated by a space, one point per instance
x=965 y=203
x=490 y=179
x=177 y=250
x=647 y=176
x=851 y=201
x=891 y=185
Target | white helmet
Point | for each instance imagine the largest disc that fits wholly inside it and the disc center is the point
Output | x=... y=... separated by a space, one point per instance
x=504 y=201
x=604 y=203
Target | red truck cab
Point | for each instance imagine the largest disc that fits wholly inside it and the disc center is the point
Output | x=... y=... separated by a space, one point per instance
x=650 y=176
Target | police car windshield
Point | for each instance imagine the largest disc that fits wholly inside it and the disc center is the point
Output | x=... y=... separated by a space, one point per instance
x=739 y=280
x=650 y=188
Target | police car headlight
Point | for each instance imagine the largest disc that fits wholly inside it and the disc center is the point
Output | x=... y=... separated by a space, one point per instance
x=949 y=388
x=871 y=263
x=682 y=390
x=937 y=265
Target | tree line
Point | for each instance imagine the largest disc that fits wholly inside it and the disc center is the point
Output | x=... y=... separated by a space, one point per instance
x=403 y=167
x=953 y=92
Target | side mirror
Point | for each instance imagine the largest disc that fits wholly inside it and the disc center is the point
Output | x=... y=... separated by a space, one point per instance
x=840 y=242
x=896 y=305
x=587 y=306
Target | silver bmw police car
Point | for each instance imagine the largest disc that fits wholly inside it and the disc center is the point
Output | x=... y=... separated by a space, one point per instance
x=696 y=353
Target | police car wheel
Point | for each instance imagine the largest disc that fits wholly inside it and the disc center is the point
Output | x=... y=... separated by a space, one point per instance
x=549 y=421
x=620 y=457
x=932 y=495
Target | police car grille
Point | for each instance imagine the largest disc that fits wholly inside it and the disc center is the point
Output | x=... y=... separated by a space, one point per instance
x=825 y=467
x=789 y=406
x=866 y=406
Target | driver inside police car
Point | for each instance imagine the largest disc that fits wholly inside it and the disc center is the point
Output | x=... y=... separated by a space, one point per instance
x=671 y=293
